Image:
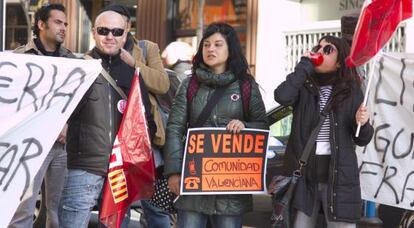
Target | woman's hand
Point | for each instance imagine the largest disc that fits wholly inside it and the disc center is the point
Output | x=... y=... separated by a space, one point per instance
x=174 y=183
x=307 y=54
x=235 y=126
x=127 y=58
x=362 y=115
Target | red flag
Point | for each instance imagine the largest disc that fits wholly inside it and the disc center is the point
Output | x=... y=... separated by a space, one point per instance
x=131 y=172
x=377 y=22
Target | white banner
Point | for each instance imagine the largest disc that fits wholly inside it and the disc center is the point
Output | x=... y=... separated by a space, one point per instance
x=37 y=96
x=387 y=163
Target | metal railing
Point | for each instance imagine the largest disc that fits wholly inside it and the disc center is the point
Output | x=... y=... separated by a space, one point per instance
x=298 y=42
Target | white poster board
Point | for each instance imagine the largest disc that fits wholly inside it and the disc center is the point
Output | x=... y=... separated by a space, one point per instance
x=37 y=96
x=387 y=163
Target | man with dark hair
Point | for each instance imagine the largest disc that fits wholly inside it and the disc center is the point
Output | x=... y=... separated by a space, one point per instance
x=49 y=30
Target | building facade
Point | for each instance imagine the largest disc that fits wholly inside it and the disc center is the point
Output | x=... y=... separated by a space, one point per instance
x=274 y=34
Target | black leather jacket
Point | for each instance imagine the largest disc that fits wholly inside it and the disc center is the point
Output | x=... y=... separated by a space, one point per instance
x=94 y=123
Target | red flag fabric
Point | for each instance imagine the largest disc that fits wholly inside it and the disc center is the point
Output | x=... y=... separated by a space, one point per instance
x=377 y=22
x=131 y=173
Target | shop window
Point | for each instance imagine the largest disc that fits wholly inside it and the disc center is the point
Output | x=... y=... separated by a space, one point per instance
x=16 y=26
x=233 y=12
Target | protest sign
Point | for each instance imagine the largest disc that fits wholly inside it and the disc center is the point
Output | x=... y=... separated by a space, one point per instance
x=386 y=163
x=37 y=96
x=219 y=162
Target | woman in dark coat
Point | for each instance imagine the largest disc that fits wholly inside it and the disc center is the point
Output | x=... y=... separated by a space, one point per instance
x=219 y=62
x=331 y=178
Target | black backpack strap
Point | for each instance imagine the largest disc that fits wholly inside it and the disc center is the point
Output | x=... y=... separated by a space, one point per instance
x=246 y=92
x=205 y=113
x=191 y=92
x=110 y=80
x=314 y=134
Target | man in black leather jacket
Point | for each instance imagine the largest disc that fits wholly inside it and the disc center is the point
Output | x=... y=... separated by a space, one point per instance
x=95 y=122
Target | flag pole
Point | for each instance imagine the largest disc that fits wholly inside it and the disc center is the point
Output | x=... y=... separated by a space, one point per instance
x=370 y=76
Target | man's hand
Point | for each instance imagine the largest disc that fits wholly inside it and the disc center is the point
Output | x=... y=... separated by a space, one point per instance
x=127 y=58
x=62 y=136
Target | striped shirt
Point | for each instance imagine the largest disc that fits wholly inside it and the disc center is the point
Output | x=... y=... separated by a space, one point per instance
x=322 y=141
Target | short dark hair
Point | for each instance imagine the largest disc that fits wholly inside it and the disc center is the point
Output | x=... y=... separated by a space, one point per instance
x=43 y=14
x=236 y=61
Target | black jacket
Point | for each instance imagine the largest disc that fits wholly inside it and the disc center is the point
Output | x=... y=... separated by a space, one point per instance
x=95 y=122
x=344 y=195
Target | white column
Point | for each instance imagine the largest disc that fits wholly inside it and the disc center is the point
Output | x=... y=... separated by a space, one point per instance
x=409 y=39
x=273 y=17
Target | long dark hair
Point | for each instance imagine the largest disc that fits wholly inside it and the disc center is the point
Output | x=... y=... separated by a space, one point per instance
x=236 y=61
x=347 y=78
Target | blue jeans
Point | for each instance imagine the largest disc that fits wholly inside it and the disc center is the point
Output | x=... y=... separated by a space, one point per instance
x=79 y=196
x=127 y=218
x=52 y=171
x=155 y=217
x=199 y=220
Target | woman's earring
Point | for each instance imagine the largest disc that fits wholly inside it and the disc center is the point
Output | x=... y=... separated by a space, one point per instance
x=338 y=65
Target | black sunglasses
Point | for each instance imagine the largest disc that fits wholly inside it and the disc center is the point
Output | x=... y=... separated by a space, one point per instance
x=104 y=31
x=327 y=49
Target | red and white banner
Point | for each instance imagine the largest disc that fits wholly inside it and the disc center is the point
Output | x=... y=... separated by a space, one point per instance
x=37 y=96
x=377 y=22
x=131 y=174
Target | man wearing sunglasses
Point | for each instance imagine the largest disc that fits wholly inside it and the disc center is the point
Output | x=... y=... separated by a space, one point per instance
x=95 y=122
x=146 y=55
x=49 y=30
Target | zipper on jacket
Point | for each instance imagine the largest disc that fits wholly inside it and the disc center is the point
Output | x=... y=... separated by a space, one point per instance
x=334 y=149
x=111 y=114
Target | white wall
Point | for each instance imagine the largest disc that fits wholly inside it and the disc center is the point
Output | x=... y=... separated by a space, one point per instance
x=410 y=35
x=274 y=16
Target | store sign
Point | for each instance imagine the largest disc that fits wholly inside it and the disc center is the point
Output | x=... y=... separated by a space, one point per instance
x=350 y=4
x=219 y=162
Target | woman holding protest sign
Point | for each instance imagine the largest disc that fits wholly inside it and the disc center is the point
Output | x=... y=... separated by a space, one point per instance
x=330 y=177
x=220 y=81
